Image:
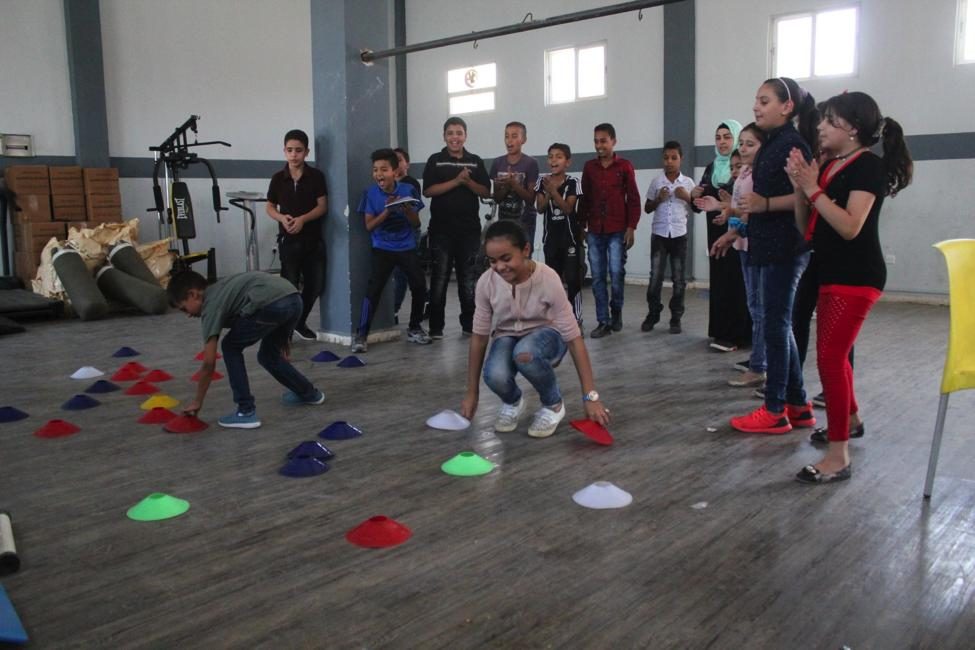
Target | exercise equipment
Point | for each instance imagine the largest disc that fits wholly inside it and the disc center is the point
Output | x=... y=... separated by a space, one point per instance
x=80 y=403
x=176 y=218
x=339 y=431
x=467 y=463
x=149 y=298
x=9 y=560
x=126 y=258
x=102 y=386
x=602 y=495
x=312 y=449
x=247 y=202
x=11 y=414
x=185 y=424
x=125 y=351
x=159 y=401
x=157 y=375
x=303 y=467
x=86 y=298
x=86 y=372
x=594 y=431
x=325 y=356
x=448 y=420
x=351 y=362
x=57 y=428
x=156 y=507
x=379 y=532
x=142 y=387
x=157 y=415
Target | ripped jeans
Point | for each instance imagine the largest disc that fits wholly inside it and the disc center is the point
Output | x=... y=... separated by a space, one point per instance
x=535 y=356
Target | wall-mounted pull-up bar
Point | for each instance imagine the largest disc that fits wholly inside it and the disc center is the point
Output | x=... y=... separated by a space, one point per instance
x=368 y=56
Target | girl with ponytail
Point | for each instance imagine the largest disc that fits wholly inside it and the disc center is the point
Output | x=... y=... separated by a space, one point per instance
x=838 y=209
x=787 y=114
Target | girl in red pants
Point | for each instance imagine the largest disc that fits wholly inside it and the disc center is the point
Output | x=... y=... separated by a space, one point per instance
x=838 y=207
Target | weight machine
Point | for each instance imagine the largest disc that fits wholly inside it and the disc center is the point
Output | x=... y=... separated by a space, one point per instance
x=176 y=219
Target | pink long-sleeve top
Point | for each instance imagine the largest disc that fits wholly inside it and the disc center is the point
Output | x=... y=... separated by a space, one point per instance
x=517 y=310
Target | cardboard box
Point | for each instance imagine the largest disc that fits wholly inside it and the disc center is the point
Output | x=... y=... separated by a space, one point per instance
x=68 y=201
x=103 y=201
x=26 y=265
x=67 y=185
x=27 y=179
x=32 y=207
x=104 y=215
x=101 y=187
x=100 y=174
x=33 y=230
x=69 y=173
x=70 y=213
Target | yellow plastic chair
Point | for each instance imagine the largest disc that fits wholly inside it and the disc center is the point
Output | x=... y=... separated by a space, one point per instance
x=959 y=373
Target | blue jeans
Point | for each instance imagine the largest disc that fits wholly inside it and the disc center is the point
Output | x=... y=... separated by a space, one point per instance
x=272 y=325
x=607 y=250
x=783 y=383
x=541 y=350
x=753 y=294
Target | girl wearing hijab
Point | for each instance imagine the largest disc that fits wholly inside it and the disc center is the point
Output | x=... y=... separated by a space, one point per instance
x=729 y=324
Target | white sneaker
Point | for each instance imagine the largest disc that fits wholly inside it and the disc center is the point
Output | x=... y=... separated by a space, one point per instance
x=508 y=416
x=545 y=422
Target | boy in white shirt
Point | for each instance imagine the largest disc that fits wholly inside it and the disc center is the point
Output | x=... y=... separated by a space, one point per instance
x=669 y=199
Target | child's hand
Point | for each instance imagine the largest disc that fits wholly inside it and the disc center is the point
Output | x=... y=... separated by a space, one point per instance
x=724 y=196
x=723 y=243
x=721 y=219
x=550 y=185
x=697 y=192
x=663 y=195
x=754 y=203
x=192 y=408
x=468 y=407
x=464 y=177
x=707 y=203
x=682 y=194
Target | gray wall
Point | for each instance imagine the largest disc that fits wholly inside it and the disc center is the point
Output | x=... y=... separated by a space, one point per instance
x=249 y=88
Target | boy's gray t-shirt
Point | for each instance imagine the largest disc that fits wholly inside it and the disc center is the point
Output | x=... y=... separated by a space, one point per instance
x=526 y=173
x=240 y=295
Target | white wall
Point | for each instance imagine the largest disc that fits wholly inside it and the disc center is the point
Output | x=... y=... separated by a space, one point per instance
x=906 y=62
x=634 y=102
x=244 y=66
x=35 y=95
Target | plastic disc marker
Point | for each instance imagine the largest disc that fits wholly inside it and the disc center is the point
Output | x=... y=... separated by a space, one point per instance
x=593 y=430
x=11 y=414
x=157 y=375
x=56 y=429
x=448 y=420
x=142 y=388
x=102 y=386
x=602 y=495
x=325 y=357
x=185 y=424
x=351 y=362
x=80 y=403
x=303 y=466
x=159 y=400
x=379 y=532
x=125 y=351
x=339 y=431
x=312 y=449
x=467 y=463
x=156 y=507
x=157 y=415
x=87 y=372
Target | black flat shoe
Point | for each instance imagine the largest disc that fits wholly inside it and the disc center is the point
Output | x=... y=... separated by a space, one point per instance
x=820 y=435
x=809 y=474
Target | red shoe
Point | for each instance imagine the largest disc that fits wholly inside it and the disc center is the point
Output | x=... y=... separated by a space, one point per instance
x=801 y=416
x=761 y=420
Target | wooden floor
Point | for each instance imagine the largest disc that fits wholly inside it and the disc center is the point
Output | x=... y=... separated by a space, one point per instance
x=502 y=561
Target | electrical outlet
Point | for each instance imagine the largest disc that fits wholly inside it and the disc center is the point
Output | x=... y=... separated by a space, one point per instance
x=890 y=258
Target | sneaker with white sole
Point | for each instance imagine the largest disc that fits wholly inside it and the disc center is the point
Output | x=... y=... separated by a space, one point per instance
x=360 y=345
x=304 y=332
x=545 y=422
x=508 y=416
x=418 y=336
x=293 y=398
x=240 y=420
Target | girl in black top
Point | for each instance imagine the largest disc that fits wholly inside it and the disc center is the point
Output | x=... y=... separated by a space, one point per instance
x=776 y=247
x=838 y=208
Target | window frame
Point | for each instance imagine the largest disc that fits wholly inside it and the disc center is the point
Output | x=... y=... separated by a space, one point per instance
x=471 y=91
x=814 y=13
x=575 y=60
x=962 y=30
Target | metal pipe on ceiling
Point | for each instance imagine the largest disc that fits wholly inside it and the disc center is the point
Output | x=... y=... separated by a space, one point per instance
x=369 y=56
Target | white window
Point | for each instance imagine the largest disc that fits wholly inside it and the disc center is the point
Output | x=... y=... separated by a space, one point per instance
x=466 y=88
x=574 y=73
x=815 y=44
x=965 y=50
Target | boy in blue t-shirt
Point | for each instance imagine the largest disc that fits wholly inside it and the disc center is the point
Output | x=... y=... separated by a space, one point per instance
x=393 y=244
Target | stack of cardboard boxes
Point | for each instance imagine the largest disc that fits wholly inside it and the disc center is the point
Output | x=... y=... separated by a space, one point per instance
x=49 y=200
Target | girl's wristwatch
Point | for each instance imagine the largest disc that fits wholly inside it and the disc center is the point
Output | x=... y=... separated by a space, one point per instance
x=591 y=396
